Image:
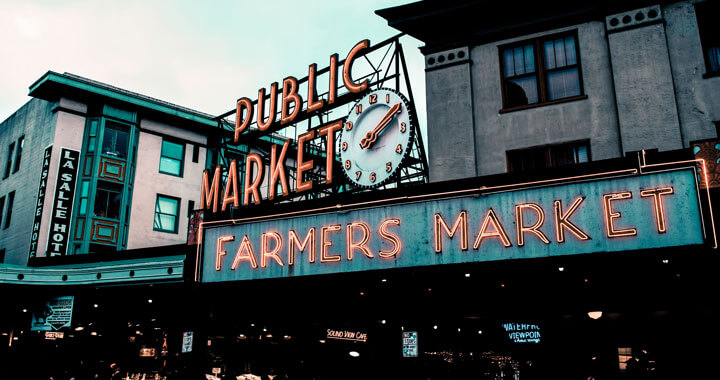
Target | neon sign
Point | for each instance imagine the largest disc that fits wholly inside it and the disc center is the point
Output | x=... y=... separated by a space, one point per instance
x=612 y=214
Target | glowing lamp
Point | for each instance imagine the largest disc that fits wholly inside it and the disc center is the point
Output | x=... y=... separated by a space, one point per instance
x=595 y=314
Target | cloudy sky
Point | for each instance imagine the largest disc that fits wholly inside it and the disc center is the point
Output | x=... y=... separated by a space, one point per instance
x=199 y=54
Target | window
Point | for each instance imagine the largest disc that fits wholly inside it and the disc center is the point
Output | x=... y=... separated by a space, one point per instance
x=166 y=214
x=8 y=215
x=115 y=140
x=18 y=155
x=540 y=71
x=11 y=148
x=2 y=208
x=196 y=153
x=191 y=207
x=171 y=158
x=2 y=255
x=108 y=198
x=544 y=157
x=84 y=191
x=709 y=28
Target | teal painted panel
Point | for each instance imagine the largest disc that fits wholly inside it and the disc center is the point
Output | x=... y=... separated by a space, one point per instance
x=683 y=226
x=119 y=113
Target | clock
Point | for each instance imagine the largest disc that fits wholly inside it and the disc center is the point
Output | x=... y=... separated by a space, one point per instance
x=376 y=138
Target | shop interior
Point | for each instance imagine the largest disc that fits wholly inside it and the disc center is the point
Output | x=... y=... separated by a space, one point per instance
x=608 y=316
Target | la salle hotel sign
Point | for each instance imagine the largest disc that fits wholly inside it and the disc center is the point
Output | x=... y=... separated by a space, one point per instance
x=607 y=214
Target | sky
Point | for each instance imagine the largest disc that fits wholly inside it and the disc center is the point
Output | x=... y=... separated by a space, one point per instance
x=199 y=54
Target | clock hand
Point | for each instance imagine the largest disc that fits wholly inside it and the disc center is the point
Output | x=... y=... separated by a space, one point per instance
x=372 y=135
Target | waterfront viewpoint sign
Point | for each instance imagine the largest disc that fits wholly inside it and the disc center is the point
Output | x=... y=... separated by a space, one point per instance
x=607 y=214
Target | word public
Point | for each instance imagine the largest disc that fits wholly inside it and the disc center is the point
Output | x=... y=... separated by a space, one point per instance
x=291 y=104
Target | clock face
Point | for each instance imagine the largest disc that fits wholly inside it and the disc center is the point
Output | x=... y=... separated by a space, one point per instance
x=376 y=137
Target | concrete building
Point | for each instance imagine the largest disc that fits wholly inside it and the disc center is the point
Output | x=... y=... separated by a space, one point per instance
x=520 y=86
x=134 y=163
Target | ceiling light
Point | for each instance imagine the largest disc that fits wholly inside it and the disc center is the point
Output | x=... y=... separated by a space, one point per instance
x=467 y=275
x=138 y=332
x=264 y=329
x=287 y=337
x=252 y=325
x=149 y=300
x=79 y=328
x=435 y=327
x=242 y=336
x=665 y=261
x=322 y=341
x=561 y=269
x=383 y=280
x=383 y=321
x=24 y=310
x=479 y=331
x=354 y=354
x=93 y=333
x=95 y=305
x=595 y=314
x=458 y=329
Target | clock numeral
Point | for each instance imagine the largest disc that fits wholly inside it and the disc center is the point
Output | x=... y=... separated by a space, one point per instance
x=372 y=177
x=358 y=174
x=403 y=127
x=388 y=167
x=344 y=146
x=348 y=125
x=387 y=98
x=398 y=149
x=373 y=98
x=348 y=165
x=358 y=109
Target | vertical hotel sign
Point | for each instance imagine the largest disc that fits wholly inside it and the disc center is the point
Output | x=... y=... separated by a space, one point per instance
x=39 y=205
x=63 y=202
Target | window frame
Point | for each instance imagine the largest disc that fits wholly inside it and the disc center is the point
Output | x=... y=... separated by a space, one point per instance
x=549 y=154
x=2 y=209
x=8 y=213
x=8 y=165
x=541 y=71
x=177 y=215
x=18 y=153
x=182 y=157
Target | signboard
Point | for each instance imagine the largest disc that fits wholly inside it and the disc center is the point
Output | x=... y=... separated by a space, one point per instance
x=187 y=342
x=63 y=202
x=53 y=315
x=625 y=213
x=522 y=332
x=355 y=336
x=410 y=344
x=53 y=335
x=40 y=201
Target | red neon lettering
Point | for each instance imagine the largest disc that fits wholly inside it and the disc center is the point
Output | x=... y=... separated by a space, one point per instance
x=332 y=78
x=219 y=252
x=347 y=68
x=312 y=103
x=393 y=239
x=657 y=195
x=277 y=171
x=303 y=166
x=290 y=94
x=272 y=111
x=252 y=159
x=231 y=184
x=352 y=245
x=611 y=215
x=245 y=253
x=562 y=223
x=535 y=228
x=325 y=244
x=240 y=122
x=330 y=130
x=497 y=232
x=210 y=192
x=295 y=242
x=460 y=222
x=265 y=252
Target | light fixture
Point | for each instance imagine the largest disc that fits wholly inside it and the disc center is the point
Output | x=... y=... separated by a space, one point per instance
x=383 y=280
x=149 y=300
x=321 y=340
x=354 y=354
x=138 y=332
x=93 y=333
x=665 y=261
x=561 y=269
x=362 y=293
x=595 y=314
x=269 y=336
x=435 y=327
x=79 y=328
x=383 y=321
x=4 y=334
x=24 y=310
x=242 y=336
x=95 y=305
x=264 y=329
x=287 y=337
x=480 y=332
x=252 y=325
x=459 y=329
x=402 y=328
x=467 y=275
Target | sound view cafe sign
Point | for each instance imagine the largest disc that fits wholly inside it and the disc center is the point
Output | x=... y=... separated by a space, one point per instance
x=615 y=212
